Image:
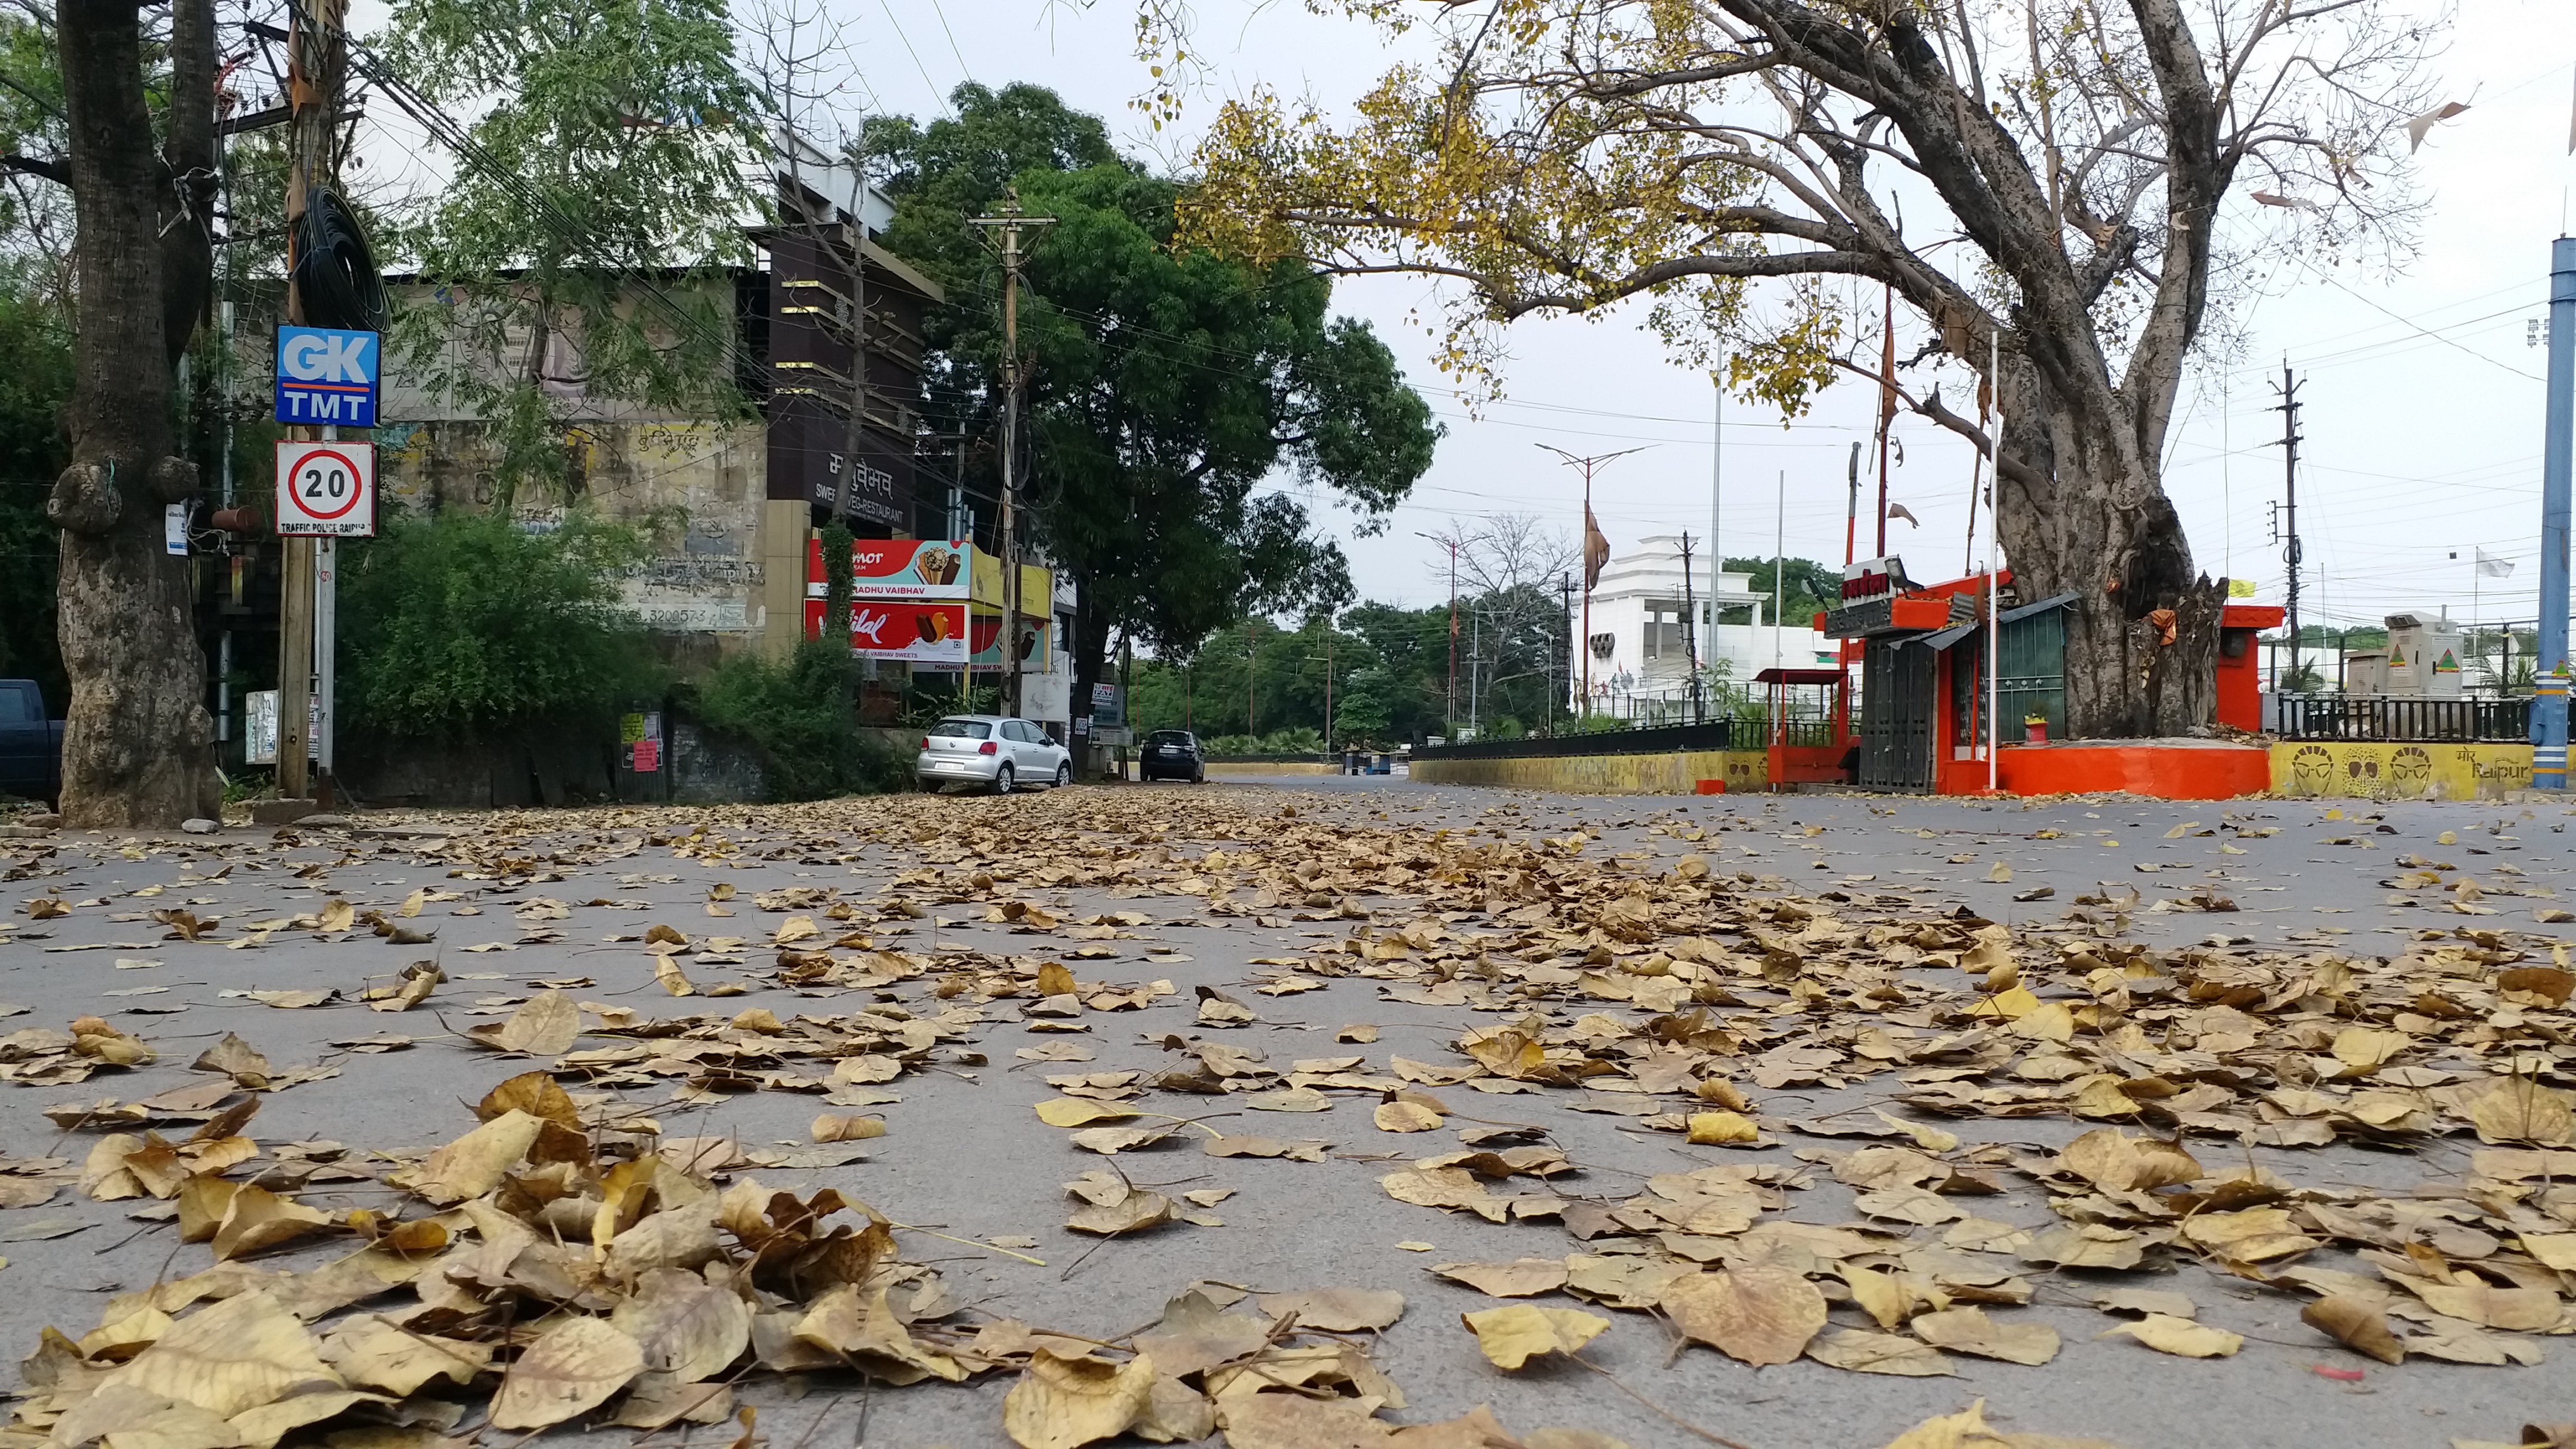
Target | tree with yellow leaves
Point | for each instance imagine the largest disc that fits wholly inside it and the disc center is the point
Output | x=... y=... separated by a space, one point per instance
x=2049 y=181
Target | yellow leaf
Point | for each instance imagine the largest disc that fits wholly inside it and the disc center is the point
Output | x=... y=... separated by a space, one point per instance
x=2000 y=873
x=829 y=1128
x=1407 y=1117
x=1711 y=1129
x=545 y=1026
x=475 y=1163
x=2178 y=1336
x=373 y=1354
x=1060 y=1403
x=2519 y=1109
x=666 y=970
x=412 y=903
x=571 y=1369
x=257 y=1218
x=1969 y=1330
x=1929 y=1138
x=2445 y=838
x=1076 y=1112
x=231 y=1358
x=1054 y=979
x=1513 y=1336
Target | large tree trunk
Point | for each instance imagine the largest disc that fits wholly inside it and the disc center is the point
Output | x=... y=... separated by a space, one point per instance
x=2102 y=529
x=137 y=744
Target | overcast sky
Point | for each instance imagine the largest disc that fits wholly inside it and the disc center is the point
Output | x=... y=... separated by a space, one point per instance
x=2423 y=418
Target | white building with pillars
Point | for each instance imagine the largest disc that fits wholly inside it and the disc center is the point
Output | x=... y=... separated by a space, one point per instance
x=1634 y=652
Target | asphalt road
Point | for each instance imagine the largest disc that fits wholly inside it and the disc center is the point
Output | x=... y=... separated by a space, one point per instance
x=964 y=1154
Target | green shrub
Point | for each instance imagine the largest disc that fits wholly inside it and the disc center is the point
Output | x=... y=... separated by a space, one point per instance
x=456 y=625
x=797 y=716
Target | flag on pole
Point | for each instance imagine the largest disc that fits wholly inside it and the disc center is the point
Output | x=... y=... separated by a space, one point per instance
x=2494 y=568
x=1596 y=551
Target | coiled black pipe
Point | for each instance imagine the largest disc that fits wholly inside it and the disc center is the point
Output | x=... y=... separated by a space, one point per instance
x=335 y=273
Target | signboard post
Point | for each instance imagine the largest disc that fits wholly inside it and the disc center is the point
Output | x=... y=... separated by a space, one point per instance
x=326 y=489
x=327 y=376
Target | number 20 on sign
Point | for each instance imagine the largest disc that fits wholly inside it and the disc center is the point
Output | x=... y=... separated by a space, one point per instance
x=326 y=490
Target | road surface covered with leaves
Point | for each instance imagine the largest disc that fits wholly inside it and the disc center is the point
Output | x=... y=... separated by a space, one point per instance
x=1291 y=1119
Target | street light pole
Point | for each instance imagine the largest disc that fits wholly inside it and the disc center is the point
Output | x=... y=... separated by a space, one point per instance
x=1589 y=466
x=1449 y=704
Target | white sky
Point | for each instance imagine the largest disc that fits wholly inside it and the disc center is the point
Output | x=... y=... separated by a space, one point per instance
x=2423 y=417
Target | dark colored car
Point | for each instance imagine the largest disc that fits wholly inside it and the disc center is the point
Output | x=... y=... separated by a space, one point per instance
x=31 y=746
x=1172 y=755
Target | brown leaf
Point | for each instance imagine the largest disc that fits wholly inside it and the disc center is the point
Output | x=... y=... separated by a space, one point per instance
x=236 y=1059
x=2179 y=1336
x=2355 y=1324
x=685 y=1327
x=1521 y=1279
x=1337 y=1310
x=829 y=1128
x=571 y=1369
x=1762 y=1315
x=545 y=1026
x=1968 y=1330
x=1857 y=1350
x=534 y=1093
x=371 y=1353
x=2519 y=1109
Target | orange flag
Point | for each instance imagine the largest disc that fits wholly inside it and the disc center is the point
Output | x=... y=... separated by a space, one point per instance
x=1596 y=551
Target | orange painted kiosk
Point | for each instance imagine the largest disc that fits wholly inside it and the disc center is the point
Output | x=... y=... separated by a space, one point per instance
x=1813 y=746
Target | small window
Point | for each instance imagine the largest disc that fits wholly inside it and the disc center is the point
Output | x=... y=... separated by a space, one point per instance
x=1020 y=730
x=962 y=729
x=18 y=706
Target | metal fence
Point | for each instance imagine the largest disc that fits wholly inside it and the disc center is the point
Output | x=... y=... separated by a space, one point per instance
x=2401 y=717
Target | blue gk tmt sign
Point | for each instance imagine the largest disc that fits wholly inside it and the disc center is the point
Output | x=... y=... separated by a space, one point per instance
x=327 y=376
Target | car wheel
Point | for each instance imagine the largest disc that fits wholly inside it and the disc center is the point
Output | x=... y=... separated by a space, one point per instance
x=1003 y=780
x=1200 y=778
x=1064 y=774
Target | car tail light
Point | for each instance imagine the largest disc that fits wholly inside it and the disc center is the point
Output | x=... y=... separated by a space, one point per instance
x=925 y=742
x=988 y=748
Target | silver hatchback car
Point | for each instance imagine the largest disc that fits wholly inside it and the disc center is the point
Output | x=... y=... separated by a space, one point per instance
x=991 y=750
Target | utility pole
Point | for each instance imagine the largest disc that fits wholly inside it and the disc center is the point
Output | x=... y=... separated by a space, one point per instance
x=316 y=56
x=1008 y=224
x=2558 y=462
x=2288 y=388
x=1690 y=634
x=1449 y=703
x=1565 y=592
x=1589 y=466
x=1886 y=406
x=1251 y=657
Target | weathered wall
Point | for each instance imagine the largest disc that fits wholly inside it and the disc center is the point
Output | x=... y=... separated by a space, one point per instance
x=1679 y=773
x=696 y=487
x=2400 y=771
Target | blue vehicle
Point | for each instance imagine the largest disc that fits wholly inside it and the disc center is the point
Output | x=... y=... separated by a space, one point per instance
x=31 y=746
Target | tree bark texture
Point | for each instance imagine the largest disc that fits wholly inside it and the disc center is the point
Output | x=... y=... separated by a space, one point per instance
x=138 y=741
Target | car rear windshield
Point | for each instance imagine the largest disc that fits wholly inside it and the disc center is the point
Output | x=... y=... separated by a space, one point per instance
x=963 y=729
x=1168 y=737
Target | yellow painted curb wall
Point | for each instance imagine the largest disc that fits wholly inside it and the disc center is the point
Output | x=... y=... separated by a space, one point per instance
x=2399 y=771
x=1668 y=774
x=1270 y=767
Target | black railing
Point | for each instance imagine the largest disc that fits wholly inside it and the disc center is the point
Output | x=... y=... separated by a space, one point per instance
x=2402 y=717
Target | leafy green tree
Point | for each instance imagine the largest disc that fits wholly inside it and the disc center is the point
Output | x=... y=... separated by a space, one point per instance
x=473 y=625
x=796 y=714
x=1808 y=585
x=585 y=254
x=1167 y=385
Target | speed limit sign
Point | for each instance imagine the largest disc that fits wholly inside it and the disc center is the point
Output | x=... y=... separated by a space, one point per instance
x=326 y=489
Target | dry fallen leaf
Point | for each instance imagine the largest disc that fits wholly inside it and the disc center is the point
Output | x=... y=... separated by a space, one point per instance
x=2179 y=1336
x=1762 y=1315
x=2356 y=1325
x=1337 y=1310
x=545 y=1026
x=1061 y=1403
x=829 y=1128
x=1512 y=1336
x=1522 y=1279
x=571 y=1369
x=1968 y=1330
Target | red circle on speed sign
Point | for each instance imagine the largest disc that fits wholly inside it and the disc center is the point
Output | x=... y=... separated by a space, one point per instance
x=307 y=498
